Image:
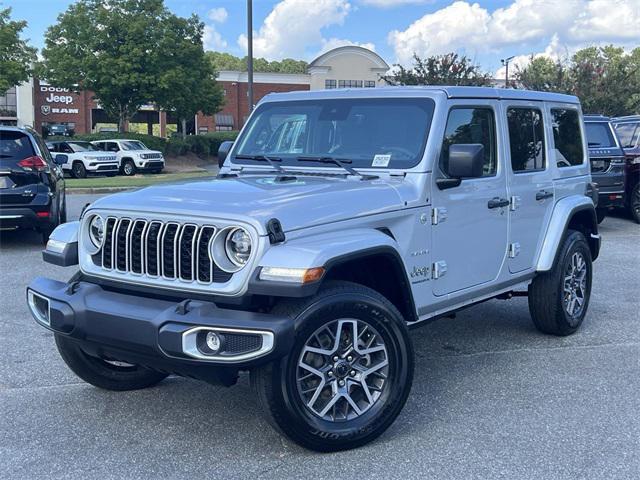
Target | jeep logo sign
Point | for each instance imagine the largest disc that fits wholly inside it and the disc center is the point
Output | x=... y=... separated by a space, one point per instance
x=66 y=99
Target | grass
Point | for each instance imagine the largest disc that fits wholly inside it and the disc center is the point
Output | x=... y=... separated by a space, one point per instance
x=135 y=181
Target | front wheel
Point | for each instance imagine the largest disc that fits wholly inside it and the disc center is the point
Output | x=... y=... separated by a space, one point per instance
x=79 y=170
x=128 y=168
x=348 y=374
x=103 y=373
x=558 y=299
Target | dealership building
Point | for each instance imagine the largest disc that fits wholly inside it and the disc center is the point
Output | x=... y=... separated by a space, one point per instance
x=48 y=108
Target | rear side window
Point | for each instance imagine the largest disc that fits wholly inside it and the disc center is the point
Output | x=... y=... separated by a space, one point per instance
x=628 y=134
x=526 y=139
x=14 y=147
x=567 y=137
x=471 y=125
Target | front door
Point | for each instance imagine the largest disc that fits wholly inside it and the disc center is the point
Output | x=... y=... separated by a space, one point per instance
x=530 y=182
x=469 y=235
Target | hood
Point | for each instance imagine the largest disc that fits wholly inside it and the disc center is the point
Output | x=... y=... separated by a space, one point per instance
x=300 y=203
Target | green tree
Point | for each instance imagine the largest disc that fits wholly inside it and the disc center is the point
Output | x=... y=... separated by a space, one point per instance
x=449 y=69
x=226 y=61
x=187 y=84
x=110 y=47
x=16 y=57
x=544 y=74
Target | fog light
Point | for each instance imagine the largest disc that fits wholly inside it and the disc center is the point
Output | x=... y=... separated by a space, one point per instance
x=213 y=342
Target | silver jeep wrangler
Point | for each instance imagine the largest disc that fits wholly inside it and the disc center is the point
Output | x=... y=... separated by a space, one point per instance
x=339 y=220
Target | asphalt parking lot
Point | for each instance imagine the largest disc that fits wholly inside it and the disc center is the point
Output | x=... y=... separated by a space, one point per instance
x=492 y=398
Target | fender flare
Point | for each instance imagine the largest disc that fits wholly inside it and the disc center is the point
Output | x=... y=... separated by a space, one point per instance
x=563 y=212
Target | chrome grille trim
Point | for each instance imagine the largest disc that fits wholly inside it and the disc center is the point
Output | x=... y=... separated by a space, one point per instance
x=142 y=236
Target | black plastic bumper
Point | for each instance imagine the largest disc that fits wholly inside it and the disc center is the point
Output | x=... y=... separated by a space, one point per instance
x=149 y=332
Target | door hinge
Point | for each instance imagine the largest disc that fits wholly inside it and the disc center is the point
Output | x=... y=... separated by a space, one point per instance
x=438 y=269
x=516 y=201
x=438 y=215
x=514 y=250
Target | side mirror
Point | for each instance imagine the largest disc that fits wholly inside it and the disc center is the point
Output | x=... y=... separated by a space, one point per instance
x=223 y=151
x=61 y=158
x=466 y=160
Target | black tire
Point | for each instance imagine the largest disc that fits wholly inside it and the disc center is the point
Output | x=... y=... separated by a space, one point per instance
x=547 y=290
x=276 y=384
x=634 y=202
x=78 y=170
x=61 y=217
x=63 y=213
x=128 y=168
x=601 y=214
x=103 y=374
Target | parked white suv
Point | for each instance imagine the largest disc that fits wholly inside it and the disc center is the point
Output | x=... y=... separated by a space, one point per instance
x=83 y=158
x=133 y=155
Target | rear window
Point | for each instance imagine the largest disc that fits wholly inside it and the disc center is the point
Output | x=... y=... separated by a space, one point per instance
x=628 y=134
x=14 y=146
x=599 y=135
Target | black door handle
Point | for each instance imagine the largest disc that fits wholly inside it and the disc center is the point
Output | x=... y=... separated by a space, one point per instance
x=542 y=194
x=498 y=202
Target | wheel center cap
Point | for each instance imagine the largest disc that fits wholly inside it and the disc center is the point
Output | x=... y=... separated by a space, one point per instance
x=341 y=369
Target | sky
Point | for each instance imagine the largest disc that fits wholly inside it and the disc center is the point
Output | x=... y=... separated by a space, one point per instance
x=486 y=31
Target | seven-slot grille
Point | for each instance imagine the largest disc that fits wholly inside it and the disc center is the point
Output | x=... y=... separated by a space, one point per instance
x=156 y=249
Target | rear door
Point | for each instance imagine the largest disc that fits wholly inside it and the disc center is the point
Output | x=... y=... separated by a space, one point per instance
x=17 y=184
x=469 y=232
x=530 y=181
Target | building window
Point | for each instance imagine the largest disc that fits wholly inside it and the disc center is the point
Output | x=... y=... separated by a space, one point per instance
x=350 y=83
x=8 y=103
x=224 y=122
x=369 y=84
x=328 y=84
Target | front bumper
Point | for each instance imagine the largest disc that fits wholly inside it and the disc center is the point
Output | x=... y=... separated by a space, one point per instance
x=152 y=165
x=97 y=167
x=158 y=334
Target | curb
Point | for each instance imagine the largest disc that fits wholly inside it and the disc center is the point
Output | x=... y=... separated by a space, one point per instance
x=89 y=191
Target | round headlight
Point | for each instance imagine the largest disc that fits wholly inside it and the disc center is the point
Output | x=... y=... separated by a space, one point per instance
x=238 y=246
x=96 y=231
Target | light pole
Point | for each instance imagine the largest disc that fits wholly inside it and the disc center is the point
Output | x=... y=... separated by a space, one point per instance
x=505 y=62
x=250 y=53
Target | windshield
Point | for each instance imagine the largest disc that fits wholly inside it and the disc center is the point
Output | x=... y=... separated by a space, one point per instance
x=372 y=132
x=599 y=134
x=81 y=147
x=133 y=145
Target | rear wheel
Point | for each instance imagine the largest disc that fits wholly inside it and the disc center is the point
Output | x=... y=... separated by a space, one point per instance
x=104 y=373
x=558 y=299
x=128 y=168
x=634 y=203
x=349 y=372
x=78 y=170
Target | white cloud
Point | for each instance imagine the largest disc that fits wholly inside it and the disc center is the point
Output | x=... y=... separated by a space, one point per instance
x=566 y=23
x=331 y=43
x=212 y=39
x=554 y=51
x=392 y=3
x=218 y=15
x=295 y=25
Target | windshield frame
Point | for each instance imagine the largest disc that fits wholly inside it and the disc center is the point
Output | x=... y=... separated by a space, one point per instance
x=83 y=145
x=290 y=159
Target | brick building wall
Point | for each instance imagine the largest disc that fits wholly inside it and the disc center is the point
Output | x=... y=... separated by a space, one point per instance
x=61 y=105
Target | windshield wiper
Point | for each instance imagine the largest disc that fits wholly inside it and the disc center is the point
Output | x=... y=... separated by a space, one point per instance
x=339 y=162
x=282 y=173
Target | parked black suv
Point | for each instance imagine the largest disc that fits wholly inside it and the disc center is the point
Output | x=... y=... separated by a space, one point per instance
x=628 y=131
x=32 y=189
x=607 y=163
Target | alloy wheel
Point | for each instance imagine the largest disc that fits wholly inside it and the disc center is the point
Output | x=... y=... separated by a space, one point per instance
x=575 y=285
x=342 y=370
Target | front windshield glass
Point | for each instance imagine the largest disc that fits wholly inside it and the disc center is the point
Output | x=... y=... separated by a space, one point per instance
x=371 y=132
x=133 y=145
x=82 y=147
x=599 y=135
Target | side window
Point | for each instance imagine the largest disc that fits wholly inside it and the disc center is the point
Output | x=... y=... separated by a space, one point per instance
x=567 y=137
x=65 y=148
x=628 y=134
x=111 y=147
x=526 y=139
x=471 y=125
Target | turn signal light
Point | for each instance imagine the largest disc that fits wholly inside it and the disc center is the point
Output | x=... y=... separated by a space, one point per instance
x=34 y=163
x=291 y=275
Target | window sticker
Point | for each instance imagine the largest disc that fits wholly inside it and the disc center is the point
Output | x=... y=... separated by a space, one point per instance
x=381 y=160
